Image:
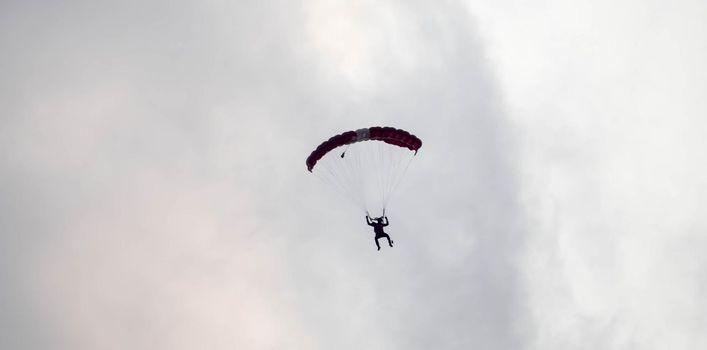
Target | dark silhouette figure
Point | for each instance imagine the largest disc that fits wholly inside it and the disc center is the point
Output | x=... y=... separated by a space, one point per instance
x=378 y=225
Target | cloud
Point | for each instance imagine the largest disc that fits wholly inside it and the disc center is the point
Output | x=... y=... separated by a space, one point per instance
x=606 y=97
x=154 y=192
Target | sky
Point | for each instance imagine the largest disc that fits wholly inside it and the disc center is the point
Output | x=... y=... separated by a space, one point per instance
x=154 y=193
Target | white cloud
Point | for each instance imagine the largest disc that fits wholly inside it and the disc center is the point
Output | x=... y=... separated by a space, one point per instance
x=607 y=97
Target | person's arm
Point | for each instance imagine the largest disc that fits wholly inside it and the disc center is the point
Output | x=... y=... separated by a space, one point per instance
x=386 y=221
x=368 y=220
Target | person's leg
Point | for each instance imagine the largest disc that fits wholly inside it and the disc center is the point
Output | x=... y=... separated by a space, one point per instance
x=390 y=243
x=378 y=245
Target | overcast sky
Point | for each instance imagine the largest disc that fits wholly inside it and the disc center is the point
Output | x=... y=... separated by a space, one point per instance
x=154 y=194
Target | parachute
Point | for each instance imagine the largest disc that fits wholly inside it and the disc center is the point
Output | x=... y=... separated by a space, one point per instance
x=365 y=165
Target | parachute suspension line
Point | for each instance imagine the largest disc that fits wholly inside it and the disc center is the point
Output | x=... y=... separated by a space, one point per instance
x=385 y=169
x=360 y=179
x=334 y=184
x=384 y=153
x=381 y=170
x=393 y=155
x=352 y=171
x=328 y=180
x=337 y=173
x=334 y=180
x=340 y=177
x=352 y=176
x=345 y=174
x=400 y=176
x=397 y=156
x=354 y=165
x=392 y=158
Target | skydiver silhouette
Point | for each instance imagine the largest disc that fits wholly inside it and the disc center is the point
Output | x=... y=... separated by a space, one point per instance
x=378 y=225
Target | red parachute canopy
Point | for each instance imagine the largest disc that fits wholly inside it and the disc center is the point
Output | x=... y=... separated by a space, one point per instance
x=393 y=136
x=372 y=163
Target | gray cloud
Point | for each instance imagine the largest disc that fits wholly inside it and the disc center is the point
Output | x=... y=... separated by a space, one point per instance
x=154 y=192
